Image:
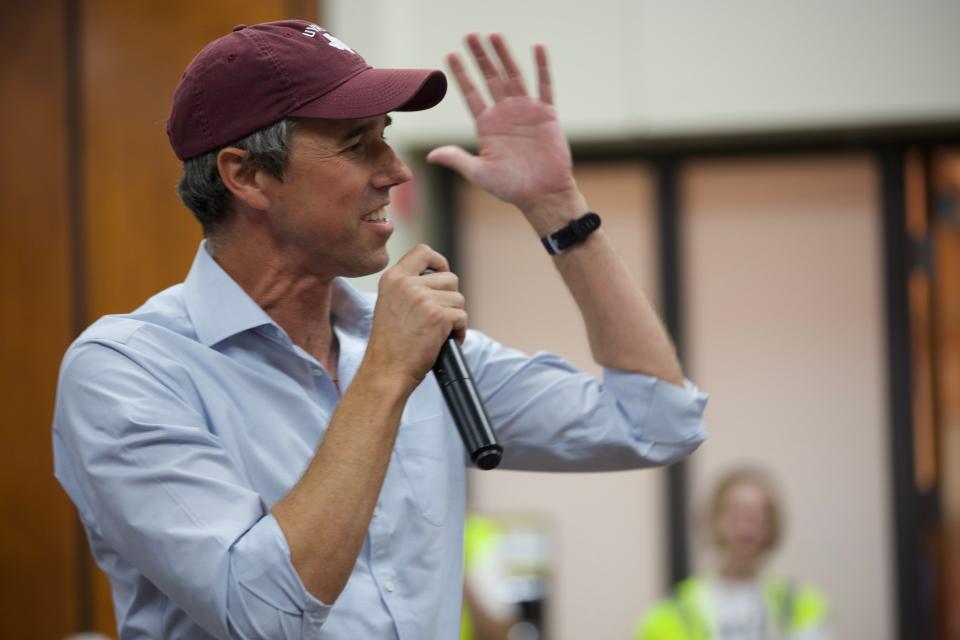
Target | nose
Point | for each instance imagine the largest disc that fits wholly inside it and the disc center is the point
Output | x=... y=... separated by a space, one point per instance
x=393 y=171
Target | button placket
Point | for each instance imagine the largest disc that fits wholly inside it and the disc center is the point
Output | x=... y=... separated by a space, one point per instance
x=380 y=560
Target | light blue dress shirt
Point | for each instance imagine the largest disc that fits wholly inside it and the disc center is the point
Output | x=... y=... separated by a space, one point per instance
x=180 y=425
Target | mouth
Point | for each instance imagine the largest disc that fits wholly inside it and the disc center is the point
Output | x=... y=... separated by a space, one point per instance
x=378 y=216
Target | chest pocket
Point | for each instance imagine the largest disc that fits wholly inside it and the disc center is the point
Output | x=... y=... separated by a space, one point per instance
x=429 y=453
x=424 y=460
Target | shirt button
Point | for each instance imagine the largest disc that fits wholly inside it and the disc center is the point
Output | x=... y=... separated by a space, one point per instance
x=317 y=371
x=376 y=513
x=388 y=585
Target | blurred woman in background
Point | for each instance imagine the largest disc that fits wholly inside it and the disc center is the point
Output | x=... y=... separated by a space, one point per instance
x=736 y=600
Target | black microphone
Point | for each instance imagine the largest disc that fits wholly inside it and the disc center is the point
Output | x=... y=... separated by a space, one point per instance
x=469 y=414
x=467 y=408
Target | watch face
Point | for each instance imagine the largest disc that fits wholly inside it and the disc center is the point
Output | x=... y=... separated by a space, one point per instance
x=550 y=244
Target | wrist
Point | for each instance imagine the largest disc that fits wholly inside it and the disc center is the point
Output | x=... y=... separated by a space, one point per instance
x=575 y=233
x=389 y=385
x=555 y=211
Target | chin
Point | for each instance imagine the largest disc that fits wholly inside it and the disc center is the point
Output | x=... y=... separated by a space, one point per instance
x=368 y=267
x=750 y=555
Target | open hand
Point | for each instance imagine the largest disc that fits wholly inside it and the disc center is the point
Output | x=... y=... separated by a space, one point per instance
x=522 y=154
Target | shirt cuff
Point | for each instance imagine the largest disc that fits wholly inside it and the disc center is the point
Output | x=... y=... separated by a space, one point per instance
x=264 y=568
x=661 y=412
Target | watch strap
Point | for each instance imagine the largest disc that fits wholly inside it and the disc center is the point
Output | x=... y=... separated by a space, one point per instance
x=572 y=234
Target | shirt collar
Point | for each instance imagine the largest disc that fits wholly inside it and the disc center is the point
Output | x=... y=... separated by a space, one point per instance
x=352 y=309
x=220 y=308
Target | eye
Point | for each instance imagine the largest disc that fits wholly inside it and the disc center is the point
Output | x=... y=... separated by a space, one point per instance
x=357 y=146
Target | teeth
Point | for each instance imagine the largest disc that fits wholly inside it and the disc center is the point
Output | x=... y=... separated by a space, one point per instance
x=380 y=215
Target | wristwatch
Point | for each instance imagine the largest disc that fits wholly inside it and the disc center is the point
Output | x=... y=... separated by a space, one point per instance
x=572 y=234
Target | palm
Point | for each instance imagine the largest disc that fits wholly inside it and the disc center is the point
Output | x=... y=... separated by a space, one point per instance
x=522 y=153
x=522 y=150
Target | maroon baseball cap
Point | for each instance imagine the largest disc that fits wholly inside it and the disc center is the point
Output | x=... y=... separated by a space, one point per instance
x=258 y=74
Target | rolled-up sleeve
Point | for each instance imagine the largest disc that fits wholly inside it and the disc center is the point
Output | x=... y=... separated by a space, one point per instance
x=267 y=587
x=156 y=485
x=551 y=416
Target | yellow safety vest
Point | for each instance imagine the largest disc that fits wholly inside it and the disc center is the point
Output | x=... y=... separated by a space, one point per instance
x=480 y=538
x=684 y=616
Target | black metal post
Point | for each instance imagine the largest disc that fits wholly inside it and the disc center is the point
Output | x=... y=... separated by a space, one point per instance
x=910 y=621
x=670 y=293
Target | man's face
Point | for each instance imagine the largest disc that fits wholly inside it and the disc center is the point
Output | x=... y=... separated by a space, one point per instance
x=328 y=213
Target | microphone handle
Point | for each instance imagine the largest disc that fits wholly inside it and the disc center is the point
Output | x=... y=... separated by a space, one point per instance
x=465 y=405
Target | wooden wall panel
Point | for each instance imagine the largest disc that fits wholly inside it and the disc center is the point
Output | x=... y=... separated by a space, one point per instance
x=139 y=237
x=37 y=541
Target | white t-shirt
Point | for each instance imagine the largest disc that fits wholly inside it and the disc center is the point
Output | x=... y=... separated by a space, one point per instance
x=740 y=612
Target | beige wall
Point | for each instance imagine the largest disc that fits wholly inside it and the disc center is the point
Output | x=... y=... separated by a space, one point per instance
x=609 y=529
x=784 y=308
x=647 y=68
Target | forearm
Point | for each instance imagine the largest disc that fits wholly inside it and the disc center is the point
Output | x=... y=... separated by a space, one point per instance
x=623 y=329
x=326 y=515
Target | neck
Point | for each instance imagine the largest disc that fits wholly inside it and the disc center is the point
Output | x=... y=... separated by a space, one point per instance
x=738 y=569
x=298 y=301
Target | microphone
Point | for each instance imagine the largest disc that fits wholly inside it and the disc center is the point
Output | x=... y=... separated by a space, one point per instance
x=469 y=414
x=467 y=408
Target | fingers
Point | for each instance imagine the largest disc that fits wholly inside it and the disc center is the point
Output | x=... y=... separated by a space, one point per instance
x=454 y=322
x=452 y=300
x=442 y=281
x=544 y=83
x=514 y=83
x=444 y=309
x=450 y=307
x=418 y=260
x=470 y=94
x=438 y=289
x=495 y=83
x=502 y=81
x=459 y=325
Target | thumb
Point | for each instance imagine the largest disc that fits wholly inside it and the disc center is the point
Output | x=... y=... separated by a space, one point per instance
x=454 y=158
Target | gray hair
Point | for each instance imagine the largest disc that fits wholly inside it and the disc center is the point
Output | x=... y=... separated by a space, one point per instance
x=201 y=188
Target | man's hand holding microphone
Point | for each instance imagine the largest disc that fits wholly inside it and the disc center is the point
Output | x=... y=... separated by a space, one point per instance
x=418 y=322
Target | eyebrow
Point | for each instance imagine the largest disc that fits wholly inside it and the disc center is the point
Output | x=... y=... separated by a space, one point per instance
x=363 y=128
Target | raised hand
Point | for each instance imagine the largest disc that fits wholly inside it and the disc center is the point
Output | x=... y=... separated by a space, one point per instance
x=522 y=153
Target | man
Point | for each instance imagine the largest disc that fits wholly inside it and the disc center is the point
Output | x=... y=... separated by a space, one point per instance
x=259 y=452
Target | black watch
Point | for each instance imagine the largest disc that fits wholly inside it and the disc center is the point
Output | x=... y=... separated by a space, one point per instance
x=574 y=233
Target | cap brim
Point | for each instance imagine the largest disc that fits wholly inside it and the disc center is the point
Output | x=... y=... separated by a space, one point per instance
x=373 y=92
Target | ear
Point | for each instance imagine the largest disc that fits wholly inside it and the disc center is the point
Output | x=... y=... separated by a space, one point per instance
x=245 y=182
